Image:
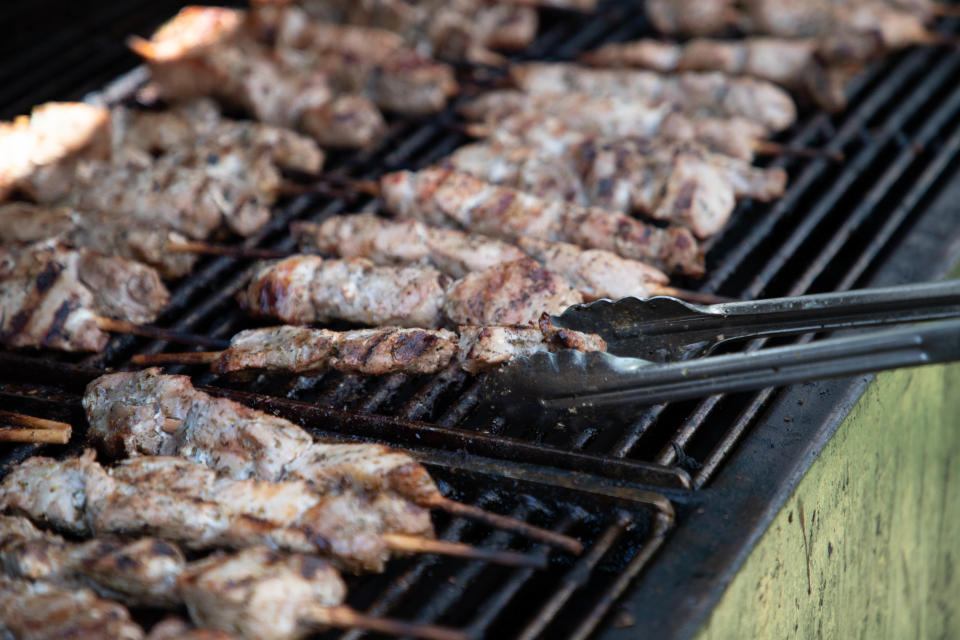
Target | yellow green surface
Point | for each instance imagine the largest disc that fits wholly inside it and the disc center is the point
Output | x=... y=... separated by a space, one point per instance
x=869 y=544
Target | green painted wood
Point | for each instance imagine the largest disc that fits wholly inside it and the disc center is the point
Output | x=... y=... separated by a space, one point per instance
x=868 y=546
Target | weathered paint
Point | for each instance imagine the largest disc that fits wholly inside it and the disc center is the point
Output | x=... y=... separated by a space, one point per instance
x=869 y=544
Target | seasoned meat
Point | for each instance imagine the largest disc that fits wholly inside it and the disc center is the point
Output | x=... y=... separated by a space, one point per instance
x=105 y=233
x=41 y=611
x=202 y=52
x=690 y=17
x=709 y=94
x=595 y=273
x=509 y=293
x=127 y=413
x=51 y=296
x=369 y=351
x=443 y=197
x=386 y=241
x=304 y=289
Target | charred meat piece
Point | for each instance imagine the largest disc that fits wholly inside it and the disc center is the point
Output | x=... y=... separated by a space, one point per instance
x=506 y=294
x=304 y=289
x=198 y=125
x=455 y=30
x=711 y=94
x=304 y=350
x=41 y=611
x=128 y=412
x=210 y=512
x=372 y=62
x=203 y=52
x=691 y=17
x=447 y=198
x=22 y=222
x=555 y=122
x=407 y=241
x=369 y=351
x=52 y=296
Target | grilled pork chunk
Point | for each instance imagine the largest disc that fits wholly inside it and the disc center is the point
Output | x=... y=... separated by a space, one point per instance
x=447 y=198
x=304 y=289
x=42 y=611
x=127 y=413
x=369 y=351
x=710 y=94
x=555 y=122
x=51 y=296
x=304 y=350
x=22 y=222
x=372 y=62
x=207 y=512
x=203 y=52
x=691 y=17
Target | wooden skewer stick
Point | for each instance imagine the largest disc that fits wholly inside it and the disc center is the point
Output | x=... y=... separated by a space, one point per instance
x=45 y=436
x=504 y=522
x=766 y=147
x=413 y=544
x=33 y=429
x=188 y=357
x=207 y=248
x=172 y=335
x=346 y=618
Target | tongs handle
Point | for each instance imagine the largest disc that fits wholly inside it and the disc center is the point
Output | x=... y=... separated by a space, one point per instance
x=666 y=329
x=829 y=358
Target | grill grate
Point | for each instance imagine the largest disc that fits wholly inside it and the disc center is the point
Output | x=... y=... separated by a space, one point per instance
x=834 y=229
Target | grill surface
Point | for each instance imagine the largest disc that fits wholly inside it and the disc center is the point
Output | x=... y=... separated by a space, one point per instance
x=878 y=218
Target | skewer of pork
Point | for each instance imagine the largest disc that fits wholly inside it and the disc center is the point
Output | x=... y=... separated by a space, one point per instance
x=304 y=289
x=441 y=197
x=555 y=122
x=306 y=351
x=681 y=183
x=695 y=93
x=458 y=30
x=62 y=298
x=106 y=233
x=363 y=60
x=186 y=502
x=595 y=273
x=202 y=52
x=198 y=125
x=42 y=611
x=17 y=427
x=153 y=572
x=147 y=412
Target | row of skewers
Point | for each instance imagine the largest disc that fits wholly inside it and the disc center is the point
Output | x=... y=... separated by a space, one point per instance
x=281 y=514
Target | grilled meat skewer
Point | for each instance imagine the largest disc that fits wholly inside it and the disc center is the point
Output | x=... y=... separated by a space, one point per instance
x=710 y=94
x=372 y=62
x=22 y=222
x=306 y=351
x=217 y=590
x=130 y=414
x=305 y=288
x=455 y=30
x=679 y=182
x=54 y=297
x=595 y=273
x=556 y=122
x=186 y=502
x=202 y=53
x=442 y=197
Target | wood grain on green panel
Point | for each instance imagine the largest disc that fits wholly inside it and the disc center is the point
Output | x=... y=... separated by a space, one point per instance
x=869 y=544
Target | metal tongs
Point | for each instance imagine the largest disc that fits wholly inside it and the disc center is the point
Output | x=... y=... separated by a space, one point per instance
x=659 y=348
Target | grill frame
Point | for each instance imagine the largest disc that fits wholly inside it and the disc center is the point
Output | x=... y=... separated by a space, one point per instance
x=673 y=596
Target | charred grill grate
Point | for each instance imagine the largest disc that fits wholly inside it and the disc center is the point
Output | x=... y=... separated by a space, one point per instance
x=836 y=228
